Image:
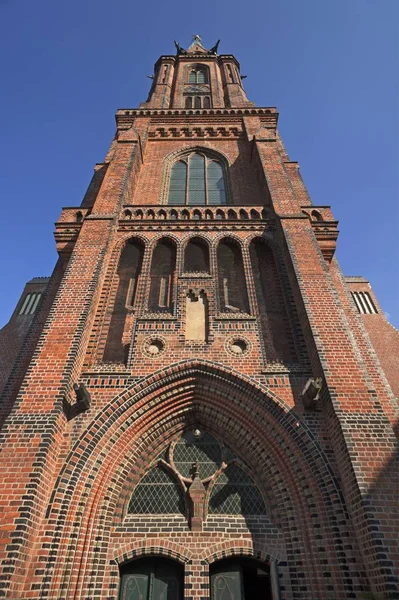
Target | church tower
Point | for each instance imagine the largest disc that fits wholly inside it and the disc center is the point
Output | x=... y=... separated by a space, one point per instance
x=192 y=407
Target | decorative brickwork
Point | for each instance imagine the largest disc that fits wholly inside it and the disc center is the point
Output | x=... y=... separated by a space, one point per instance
x=227 y=320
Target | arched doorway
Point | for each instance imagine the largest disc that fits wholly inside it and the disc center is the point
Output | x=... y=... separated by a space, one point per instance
x=240 y=579
x=151 y=578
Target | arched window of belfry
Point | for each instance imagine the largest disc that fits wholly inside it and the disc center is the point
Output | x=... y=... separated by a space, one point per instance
x=197 y=179
x=233 y=295
x=198 y=75
x=162 y=277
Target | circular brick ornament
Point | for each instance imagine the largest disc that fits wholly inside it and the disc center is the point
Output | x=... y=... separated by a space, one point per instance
x=237 y=346
x=153 y=346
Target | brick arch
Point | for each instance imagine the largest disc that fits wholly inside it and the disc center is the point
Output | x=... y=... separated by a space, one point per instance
x=230 y=237
x=266 y=238
x=241 y=548
x=195 y=235
x=151 y=547
x=101 y=461
x=188 y=149
x=169 y=236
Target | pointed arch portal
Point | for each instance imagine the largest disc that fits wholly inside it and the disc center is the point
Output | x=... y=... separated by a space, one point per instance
x=113 y=454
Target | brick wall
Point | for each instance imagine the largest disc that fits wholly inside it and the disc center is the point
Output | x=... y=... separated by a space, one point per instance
x=324 y=467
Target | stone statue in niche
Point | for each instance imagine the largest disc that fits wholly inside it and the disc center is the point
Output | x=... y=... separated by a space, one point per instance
x=196 y=316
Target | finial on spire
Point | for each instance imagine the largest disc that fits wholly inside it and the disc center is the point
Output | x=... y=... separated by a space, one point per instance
x=197 y=39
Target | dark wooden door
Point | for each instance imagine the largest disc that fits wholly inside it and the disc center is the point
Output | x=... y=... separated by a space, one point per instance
x=227 y=583
x=151 y=580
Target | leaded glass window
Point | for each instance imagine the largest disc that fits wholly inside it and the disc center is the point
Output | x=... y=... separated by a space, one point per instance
x=204 y=450
x=235 y=493
x=197 y=180
x=196 y=185
x=196 y=458
x=216 y=191
x=178 y=183
x=156 y=493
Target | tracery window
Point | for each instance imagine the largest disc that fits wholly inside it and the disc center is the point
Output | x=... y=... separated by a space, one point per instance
x=197 y=180
x=197 y=461
x=198 y=75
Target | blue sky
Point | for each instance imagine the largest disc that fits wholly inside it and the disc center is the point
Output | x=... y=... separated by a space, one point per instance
x=331 y=68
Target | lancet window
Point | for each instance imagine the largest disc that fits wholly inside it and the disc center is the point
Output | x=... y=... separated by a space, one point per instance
x=197 y=179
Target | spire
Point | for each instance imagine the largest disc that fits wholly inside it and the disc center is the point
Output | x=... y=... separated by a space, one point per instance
x=196 y=45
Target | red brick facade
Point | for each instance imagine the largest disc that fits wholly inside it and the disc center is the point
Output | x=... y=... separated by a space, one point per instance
x=229 y=347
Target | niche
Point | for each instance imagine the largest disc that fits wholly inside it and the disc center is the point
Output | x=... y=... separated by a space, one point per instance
x=128 y=274
x=196 y=316
x=276 y=330
x=196 y=257
x=162 y=277
x=233 y=295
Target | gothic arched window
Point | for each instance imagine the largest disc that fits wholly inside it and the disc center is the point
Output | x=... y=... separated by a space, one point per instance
x=198 y=75
x=197 y=179
x=197 y=461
